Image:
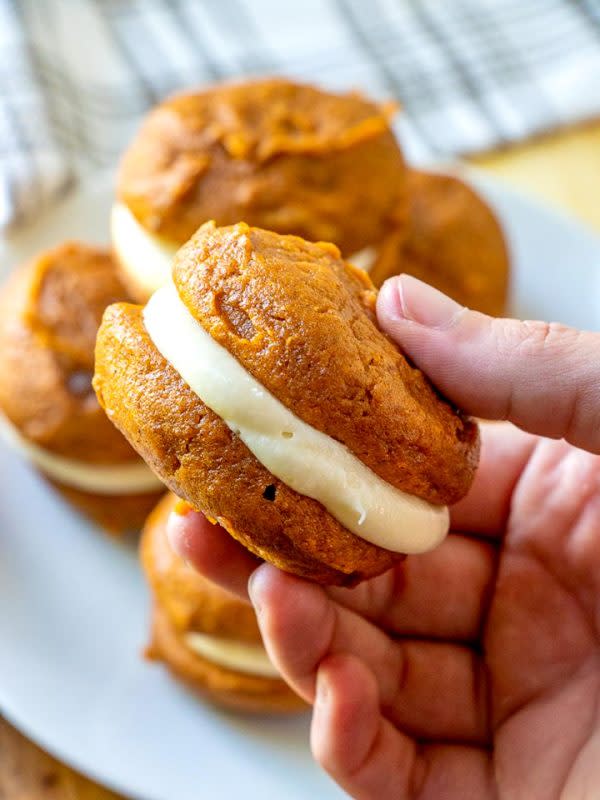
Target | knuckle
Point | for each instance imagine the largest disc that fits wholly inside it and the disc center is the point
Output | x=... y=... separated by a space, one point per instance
x=547 y=338
x=535 y=338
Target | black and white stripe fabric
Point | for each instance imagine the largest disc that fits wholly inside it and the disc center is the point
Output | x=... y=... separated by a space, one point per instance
x=76 y=75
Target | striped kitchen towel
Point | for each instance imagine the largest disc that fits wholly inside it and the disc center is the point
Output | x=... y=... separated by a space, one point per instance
x=76 y=75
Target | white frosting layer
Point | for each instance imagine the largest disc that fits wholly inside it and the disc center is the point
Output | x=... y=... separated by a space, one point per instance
x=364 y=258
x=251 y=659
x=310 y=462
x=147 y=258
x=110 y=479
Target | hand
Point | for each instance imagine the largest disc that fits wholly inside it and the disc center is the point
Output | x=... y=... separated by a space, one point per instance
x=472 y=671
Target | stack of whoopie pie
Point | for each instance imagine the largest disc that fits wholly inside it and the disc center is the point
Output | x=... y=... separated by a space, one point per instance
x=207 y=638
x=50 y=311
x=239 y=363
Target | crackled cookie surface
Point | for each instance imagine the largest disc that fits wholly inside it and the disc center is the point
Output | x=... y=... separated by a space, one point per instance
x=284 y=156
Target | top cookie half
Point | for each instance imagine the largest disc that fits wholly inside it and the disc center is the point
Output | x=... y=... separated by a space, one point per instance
x=301 y=321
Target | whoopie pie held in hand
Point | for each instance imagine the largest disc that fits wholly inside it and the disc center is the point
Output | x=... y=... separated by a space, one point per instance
x=259 y=387
x=281 y=155
x=207 y=638
x=50 y=311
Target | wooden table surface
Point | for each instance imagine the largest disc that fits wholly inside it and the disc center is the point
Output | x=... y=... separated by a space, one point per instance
x=563 y=169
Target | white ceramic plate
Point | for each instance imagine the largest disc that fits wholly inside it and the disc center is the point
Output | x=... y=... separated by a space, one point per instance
x=74 y=607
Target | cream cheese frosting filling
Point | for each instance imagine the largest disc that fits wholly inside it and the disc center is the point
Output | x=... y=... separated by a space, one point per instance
x=252 y=659
x=109 y=479
x=307 y=460
x=364 y=259
x=146 y=257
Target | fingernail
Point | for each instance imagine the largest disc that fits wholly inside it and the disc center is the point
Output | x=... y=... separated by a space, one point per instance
x=322 y=692
x=252 y=590
x=410 y=299
x=173 y=529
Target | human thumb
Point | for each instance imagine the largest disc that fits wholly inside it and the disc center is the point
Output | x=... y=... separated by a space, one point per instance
x=543 y=377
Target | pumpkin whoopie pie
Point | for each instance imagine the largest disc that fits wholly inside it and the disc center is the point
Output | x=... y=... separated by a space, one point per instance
x=453 y=242
x=258 y=386
x=50 y=311
x=208 y=638
x=280 y=155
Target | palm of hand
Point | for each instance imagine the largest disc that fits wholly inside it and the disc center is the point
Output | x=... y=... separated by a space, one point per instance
x=490 y=682
x=540 y=638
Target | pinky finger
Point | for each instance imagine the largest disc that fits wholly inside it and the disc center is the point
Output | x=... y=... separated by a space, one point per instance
x=370 y=758
x=350 y=739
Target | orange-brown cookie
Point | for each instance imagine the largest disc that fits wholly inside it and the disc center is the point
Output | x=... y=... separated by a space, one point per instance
x=185 y=603
x=50 y=311
x=277 y=154
x=453 y=241
x=369 y=440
